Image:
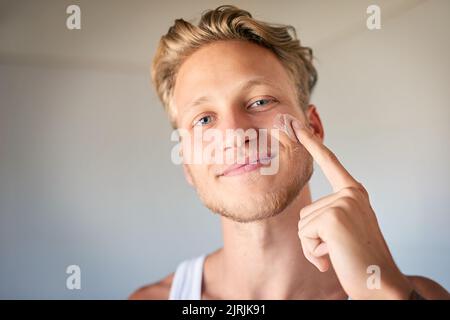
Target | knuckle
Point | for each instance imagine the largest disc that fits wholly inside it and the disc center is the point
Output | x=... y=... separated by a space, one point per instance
x=335 y=216
x=355 y=192
x=303 y=212
x=361 y=189
x=346 y=202
x=348 y=192
x=299 y=226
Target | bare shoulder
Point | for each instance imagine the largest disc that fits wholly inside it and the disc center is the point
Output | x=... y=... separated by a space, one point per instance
x=428 y=288
x=156 y=291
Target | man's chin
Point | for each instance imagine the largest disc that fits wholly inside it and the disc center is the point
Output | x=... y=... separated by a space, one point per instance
x=244 y=206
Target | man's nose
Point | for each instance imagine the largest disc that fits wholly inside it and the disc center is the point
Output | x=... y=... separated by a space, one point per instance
x=233 y=125
x=234 y=120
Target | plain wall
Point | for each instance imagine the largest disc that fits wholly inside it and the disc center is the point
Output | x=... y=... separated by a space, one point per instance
x=85 y=170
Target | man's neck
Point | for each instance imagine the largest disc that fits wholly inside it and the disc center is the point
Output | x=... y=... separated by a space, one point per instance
x=264 y=260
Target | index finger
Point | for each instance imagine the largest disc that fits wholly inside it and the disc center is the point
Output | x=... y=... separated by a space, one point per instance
x=335 y=172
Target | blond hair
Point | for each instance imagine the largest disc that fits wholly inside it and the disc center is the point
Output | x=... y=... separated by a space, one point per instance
x=230 y=23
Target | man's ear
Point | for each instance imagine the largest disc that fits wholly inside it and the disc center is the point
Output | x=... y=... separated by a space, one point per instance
x=314 y=121
x=187 y=175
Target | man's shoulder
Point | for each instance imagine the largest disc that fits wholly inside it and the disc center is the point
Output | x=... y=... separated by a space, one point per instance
x=428 y=288
x=156 y=291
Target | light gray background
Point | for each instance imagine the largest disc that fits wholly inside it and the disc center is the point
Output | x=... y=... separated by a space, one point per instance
x=85 y=170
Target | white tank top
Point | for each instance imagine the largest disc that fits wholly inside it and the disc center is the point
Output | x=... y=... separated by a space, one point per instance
x=187 y=281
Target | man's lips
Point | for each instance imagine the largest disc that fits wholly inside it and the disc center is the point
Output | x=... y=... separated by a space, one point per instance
x=247 y=166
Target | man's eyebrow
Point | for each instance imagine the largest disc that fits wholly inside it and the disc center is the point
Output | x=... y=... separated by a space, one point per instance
x=198 y=101
x=259 y=81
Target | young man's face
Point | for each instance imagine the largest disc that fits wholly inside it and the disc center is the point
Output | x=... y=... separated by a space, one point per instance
x=240 y=85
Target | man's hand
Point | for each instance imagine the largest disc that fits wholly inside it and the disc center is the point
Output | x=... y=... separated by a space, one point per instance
x=342 y=229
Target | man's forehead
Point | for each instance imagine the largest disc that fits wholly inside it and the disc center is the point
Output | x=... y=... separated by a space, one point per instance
x=224 y=63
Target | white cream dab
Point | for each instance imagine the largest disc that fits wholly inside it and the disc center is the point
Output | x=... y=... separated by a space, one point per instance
x=283 y=123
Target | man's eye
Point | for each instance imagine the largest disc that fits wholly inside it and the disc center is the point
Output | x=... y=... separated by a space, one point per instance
x=260 y=103
x=203 y=121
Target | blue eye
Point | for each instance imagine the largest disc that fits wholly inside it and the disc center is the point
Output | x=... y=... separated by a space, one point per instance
x=260 y=103
x=203 y=121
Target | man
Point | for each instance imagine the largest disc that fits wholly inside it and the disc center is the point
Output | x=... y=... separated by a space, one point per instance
x=233 y=72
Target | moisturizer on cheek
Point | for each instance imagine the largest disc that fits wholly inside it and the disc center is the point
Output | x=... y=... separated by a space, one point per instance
x=282 y=122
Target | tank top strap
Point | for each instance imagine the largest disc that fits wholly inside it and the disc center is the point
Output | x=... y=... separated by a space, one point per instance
x=187 y=281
